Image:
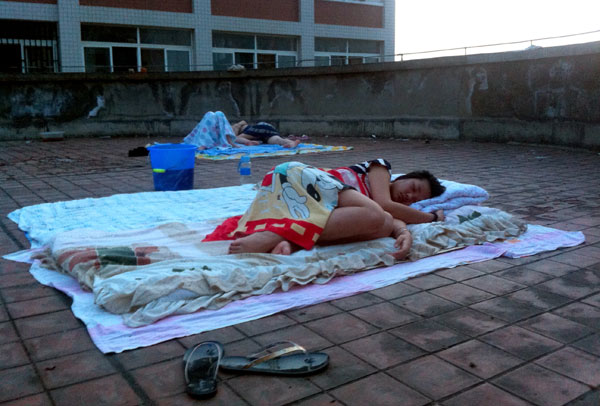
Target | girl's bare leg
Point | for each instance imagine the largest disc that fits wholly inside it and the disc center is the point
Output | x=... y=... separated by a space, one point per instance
x=246 y=141
x=356 y=218
x=286 y=143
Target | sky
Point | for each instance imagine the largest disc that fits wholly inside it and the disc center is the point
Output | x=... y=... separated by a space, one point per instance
x=426 y=25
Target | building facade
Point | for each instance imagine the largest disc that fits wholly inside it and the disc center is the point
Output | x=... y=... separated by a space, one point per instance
x=189 y=35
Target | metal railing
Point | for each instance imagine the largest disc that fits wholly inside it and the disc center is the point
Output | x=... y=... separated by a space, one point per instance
x=465 y=50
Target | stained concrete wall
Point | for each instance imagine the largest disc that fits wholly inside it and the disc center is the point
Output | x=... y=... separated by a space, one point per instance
x=546 y=95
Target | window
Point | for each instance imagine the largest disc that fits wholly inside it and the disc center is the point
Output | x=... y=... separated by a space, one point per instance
x=337 y=60
x=253 y=51
x=178 y=61
x=322 y=61
x=11 y=61
x=28 y=47
x=267 y=61
x=338 y=51
x=39 y=59
x=133 y=49
x=286 y=61
x=153 y=60
x=330 y=45
x=222 y=61
x=97 y=59
x=371 y=2
x=276 y=43
x=363 y=46
x=165 y=37
x=224 y=40
x=124 y=59
x=246 y=59
x=106 y=33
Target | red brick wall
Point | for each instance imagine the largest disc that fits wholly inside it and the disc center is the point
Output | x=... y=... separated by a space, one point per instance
x=177 y=6
x=339 y=13
x=282 y=10
x=37 y=1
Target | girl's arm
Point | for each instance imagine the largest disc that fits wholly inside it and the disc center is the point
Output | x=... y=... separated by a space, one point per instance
x=379 y=182
x=403 y=240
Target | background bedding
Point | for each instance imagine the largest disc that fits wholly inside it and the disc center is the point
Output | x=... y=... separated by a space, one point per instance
x=255 y=151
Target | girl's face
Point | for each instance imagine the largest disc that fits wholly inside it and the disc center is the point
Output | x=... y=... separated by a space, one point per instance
x=409 y=191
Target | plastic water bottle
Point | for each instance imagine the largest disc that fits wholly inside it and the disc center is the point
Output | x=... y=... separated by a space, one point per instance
x=245 y=170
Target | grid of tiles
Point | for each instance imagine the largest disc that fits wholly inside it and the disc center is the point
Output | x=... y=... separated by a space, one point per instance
x=517 y=332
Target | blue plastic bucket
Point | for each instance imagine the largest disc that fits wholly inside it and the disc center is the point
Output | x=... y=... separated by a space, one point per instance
x=173 y=166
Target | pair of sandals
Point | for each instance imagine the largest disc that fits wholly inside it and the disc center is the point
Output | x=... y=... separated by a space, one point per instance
x=202 y=362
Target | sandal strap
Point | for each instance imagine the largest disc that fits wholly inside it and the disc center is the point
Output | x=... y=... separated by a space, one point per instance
x=272 y=355
x=219 y=356
x=265 y=349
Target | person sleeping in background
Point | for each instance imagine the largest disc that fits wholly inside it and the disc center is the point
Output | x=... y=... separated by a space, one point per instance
x=215 y=131
x=263 y=133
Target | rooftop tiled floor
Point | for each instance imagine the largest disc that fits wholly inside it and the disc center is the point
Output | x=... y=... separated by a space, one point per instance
x=503 y=332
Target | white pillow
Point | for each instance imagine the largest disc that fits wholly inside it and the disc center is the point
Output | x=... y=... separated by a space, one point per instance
x=456 y=195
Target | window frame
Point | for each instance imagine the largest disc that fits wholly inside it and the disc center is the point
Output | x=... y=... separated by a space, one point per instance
x=25 y=43
x=367 y=2
x=366 y=56
x=23 y=35
x=255 y=51
x=138 y=46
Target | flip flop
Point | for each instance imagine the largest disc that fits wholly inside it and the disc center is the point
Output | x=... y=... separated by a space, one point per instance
x=139 y=151
x=291 y=360
x=201 y=364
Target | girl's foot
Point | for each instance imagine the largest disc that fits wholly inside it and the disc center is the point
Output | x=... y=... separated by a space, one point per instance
x=264 y=241
x=290 y=143
x=283 y=248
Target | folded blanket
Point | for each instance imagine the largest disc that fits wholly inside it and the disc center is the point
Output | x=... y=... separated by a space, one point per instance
x=152 y=273
x=468 y=225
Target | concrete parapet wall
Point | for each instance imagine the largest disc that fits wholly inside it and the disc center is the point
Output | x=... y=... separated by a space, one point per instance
x=549 y=95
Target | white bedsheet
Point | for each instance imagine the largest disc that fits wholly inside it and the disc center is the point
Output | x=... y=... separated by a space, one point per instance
x=128 y=212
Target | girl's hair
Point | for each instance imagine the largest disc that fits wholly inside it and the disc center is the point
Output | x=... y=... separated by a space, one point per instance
x=434 y=184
